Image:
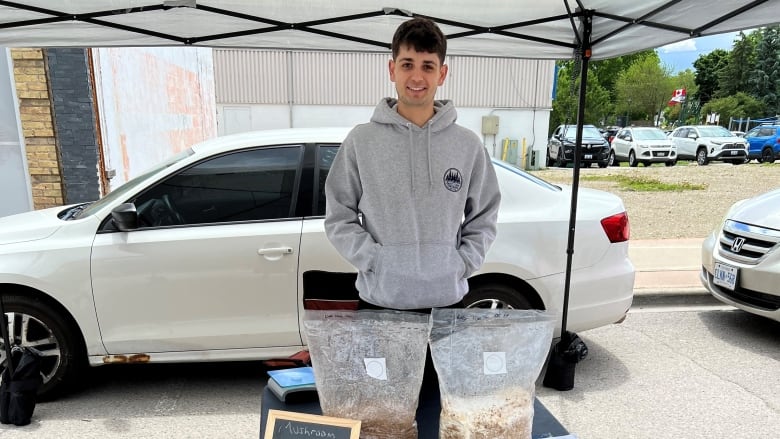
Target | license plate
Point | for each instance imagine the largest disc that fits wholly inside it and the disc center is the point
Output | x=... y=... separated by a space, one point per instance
x=734 y=152
x=725 y=276
x=588 y=156
x=660 y=154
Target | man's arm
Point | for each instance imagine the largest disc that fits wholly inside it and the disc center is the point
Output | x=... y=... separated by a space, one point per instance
x=479 y=226
x=342 y=226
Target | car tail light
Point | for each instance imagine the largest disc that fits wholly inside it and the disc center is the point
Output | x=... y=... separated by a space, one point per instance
x=616 y=227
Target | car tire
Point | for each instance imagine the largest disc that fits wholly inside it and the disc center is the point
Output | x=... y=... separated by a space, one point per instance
x=44 y=328
x=612 y=161
x=603 y=164
x=767 y=155
x=701 y=157
x=495 y=296
x=560 y=161
x=647 y=164
x=671 y=163
x=632 y=159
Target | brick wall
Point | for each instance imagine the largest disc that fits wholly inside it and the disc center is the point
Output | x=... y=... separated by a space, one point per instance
x=36 y=113
x=74 y=118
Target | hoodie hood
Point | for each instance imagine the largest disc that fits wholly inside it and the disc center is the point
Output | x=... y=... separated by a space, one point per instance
x=419 y=147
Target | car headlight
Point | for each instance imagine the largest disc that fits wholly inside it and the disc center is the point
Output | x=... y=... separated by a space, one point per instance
x=642 y=146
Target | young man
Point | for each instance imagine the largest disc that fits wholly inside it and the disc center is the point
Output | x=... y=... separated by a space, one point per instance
x=412 y=198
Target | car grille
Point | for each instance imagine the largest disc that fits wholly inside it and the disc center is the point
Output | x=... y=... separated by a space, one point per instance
x=745 y=243
x=733 y=146
x=756 y=299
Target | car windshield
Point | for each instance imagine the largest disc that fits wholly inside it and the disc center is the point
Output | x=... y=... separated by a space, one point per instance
x=714 y=131
x=588 y=132
x=133 y=183
x=649 y=135
x=532 y=178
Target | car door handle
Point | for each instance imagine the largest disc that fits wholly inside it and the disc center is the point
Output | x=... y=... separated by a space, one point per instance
x=275 y=250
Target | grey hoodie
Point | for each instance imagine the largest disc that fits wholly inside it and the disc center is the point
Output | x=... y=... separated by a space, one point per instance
x=429 y=202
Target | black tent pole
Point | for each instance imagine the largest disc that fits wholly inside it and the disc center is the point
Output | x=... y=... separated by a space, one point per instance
x=6 y=339
x=570 y=349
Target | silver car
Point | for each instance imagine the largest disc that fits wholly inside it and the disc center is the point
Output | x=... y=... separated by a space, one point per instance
x=741 y=259
x=646 y=145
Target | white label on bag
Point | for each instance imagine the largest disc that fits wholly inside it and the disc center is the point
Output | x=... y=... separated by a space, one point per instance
x=494 y=363
x=376 y=368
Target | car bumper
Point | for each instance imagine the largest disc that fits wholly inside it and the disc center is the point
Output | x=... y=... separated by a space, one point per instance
x=729 y=154
x=588 y=156
x=756 y=288
x=655 y=156
x=598 y=295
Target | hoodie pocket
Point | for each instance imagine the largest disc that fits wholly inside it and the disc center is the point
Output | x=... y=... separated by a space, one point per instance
x=409 y=276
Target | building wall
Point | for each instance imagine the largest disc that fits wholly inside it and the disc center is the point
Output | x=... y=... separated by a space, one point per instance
x=15 y=196
x=35 y=112
x=265 y=89
x=153 y=102
x=74 y=120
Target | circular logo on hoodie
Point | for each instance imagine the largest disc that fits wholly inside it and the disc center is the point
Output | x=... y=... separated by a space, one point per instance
x=453 y=180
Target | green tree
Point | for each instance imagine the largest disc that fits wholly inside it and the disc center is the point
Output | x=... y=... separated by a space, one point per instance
x=735 y=75
x=643 y=90
x=739 y=106
x=765 y=77
x=598 y=102
x=708 y=68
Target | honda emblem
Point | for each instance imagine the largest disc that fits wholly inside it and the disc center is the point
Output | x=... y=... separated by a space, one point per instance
x=736 y=245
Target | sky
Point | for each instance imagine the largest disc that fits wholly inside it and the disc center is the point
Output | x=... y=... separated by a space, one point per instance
x=680 y=56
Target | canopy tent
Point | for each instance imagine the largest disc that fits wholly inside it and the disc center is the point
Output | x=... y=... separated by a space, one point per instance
x=540 y=29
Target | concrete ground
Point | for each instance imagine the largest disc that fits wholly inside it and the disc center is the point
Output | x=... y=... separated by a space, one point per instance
x=667 y=266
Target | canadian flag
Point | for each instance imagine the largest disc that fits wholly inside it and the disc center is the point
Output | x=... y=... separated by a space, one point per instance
x=678 y=96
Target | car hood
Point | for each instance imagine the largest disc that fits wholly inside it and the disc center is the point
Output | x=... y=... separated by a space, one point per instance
x=763 y=210
x=654 y=142
x=727 y=139
x=30 y=226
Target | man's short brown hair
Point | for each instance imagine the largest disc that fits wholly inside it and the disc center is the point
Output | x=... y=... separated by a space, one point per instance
x=423 y=35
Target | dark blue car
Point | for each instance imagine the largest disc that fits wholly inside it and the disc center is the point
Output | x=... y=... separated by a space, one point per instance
x=764 y=143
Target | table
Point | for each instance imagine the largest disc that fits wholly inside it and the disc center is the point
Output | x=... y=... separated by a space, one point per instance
x=545 y=425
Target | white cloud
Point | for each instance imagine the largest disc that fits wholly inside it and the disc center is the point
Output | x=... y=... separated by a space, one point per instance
x=680 y=46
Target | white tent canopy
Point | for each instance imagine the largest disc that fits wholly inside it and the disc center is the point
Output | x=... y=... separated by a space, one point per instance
x=542 y=29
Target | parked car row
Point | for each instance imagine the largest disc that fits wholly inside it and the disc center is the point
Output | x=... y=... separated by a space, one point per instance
x=214 y=254
x=648 y=145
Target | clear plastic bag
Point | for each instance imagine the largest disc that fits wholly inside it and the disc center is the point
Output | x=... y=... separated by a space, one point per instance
x=488 y=362
x=369 y=365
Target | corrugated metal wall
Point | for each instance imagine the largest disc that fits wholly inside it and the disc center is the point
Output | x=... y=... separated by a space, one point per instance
x=245 y=76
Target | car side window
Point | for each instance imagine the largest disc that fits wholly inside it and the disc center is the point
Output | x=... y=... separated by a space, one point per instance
x=325 y=156
x=752 y=133
x=767 y=132
x=242 y=186
x=682 y=132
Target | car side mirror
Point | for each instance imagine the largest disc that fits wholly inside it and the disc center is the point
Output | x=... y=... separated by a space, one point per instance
x=692 y=136
x=629 y=139
x=125 y=217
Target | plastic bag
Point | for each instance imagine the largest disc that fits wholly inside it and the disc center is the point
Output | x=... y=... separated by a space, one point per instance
x=488 y=362
x=18 y=391
x=368 y=365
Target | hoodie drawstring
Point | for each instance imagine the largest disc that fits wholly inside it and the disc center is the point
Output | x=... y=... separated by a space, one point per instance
x=430 y=173
x=411 y=152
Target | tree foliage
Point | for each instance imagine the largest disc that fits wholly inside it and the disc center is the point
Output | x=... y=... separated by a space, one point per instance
x=644 y=89
x=708 y=70
x=734 y=77
x=765 y=76
x=739 y=106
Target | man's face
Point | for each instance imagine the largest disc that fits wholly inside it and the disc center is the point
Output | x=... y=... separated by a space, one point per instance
x=416 y=75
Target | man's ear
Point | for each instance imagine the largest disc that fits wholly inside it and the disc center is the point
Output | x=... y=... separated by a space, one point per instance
x=391 y=68
x=443 y=73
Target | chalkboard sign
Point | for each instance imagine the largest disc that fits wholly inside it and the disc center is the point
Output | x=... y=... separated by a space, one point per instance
x=292 y=425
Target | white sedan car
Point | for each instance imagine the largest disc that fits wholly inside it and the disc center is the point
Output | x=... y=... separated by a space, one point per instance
x=213 y=254
x=741 y=259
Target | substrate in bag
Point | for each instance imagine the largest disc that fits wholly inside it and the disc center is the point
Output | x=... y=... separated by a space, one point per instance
x=369 y=366
x=488 y=362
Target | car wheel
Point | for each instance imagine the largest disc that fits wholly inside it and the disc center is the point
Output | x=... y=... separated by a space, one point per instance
x=603 y=164
x=32 y=322
x=611 y=161
x=671 y=163
x=767 y=156
x=495 y=296
x=632 y=159
x=560 y=161
x=701 y=157
x=646 y=164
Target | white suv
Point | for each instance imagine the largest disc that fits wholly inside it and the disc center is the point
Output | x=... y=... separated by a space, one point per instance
x=705 y=143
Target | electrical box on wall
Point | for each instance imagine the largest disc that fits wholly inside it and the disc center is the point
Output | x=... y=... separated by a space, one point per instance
x=490 y=125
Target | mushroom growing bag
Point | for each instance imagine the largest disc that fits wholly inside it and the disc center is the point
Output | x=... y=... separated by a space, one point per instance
x=368 y=365
x=488 y=362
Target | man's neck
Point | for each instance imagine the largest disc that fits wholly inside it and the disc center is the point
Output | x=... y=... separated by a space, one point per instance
x=416 y=115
